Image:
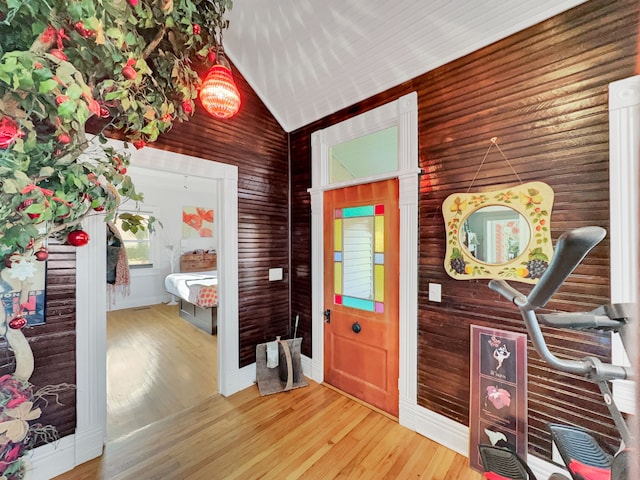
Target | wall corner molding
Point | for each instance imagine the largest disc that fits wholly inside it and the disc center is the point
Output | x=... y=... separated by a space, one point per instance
x=624 y=157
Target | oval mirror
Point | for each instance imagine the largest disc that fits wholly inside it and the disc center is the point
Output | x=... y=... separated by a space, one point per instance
x=495 y=234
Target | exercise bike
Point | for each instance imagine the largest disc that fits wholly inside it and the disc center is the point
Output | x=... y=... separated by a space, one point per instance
x=582 y=455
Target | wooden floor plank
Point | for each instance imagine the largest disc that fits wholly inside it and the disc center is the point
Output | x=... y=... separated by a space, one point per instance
x=312 y=433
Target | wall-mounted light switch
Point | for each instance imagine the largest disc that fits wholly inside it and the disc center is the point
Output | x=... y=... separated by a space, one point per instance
x=435 y=292
x=275 y=274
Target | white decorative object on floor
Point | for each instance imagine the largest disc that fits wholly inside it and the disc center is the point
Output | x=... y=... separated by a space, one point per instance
x=171 y=248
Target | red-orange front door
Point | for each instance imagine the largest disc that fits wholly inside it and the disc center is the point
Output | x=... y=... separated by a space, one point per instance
x=361 y=345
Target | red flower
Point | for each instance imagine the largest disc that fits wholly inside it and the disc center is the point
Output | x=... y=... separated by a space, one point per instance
x=48 y=35
x=196 y=29
x=186 y=106
x=56 y=52
x=9 y=132
x=94 y=106
x=15 y=390
x=86 y=33
x=133 y=3
x=139 y=144
x=64 y=138
x=61 y=34
x=13 y=454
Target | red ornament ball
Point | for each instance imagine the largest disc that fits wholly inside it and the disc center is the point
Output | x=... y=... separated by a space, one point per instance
x=78 y=238
x=17 y=323
x=42 y=254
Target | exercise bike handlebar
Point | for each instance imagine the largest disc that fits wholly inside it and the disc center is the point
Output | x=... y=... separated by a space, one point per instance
x=571 y=248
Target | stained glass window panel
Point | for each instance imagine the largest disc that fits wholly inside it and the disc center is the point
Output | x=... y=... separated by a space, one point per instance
x=359 y=257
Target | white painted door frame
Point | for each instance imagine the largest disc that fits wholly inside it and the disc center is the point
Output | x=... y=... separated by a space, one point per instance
x=402 y=113
x=91 y=306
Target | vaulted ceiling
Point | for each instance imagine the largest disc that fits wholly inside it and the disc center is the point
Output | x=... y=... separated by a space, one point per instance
x=309 y=58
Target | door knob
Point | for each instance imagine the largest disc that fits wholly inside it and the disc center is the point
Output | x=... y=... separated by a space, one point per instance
x=327 y=315
x=356 y=327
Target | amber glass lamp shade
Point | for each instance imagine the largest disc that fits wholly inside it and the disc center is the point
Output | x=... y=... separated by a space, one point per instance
x=219 y=95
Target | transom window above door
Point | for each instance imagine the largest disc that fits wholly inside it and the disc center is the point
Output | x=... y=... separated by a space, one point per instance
x=366 y=156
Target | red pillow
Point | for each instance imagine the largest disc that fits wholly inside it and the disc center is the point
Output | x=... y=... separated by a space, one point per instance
x=589 y=472
x=494 y=476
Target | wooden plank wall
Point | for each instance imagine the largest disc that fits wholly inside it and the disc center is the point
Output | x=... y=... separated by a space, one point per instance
x=301 y=236
x=53 y=344
x=257 y=145
x=543 y=93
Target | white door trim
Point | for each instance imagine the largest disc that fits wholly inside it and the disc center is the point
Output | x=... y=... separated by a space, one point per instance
x=91 y=306
x=402 y=113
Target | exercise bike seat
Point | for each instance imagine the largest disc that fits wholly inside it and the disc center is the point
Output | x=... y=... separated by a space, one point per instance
x=501 y=463
x=580 y=452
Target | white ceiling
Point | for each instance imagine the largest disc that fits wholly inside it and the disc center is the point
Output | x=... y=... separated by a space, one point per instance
x=310 y=58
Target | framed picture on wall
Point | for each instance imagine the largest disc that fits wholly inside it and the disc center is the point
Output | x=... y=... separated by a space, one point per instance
x=498 y=404
x=197 y=222
x=23 y=289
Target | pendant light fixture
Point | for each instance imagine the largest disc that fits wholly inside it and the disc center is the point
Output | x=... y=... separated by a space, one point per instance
x=219 y=94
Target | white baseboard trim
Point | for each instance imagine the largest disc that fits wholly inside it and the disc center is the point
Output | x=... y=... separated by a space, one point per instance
x=455 y=436
x=53 y=459
x=543 y=469
x=240 y=379
x=316 y=371
x=56 y=458
x=443 y=430
x=130 y=302
x=407 y=414
x=89 y=444
x=307 y=366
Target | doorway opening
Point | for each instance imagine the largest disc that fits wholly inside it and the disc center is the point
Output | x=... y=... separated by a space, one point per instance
x=91 y=298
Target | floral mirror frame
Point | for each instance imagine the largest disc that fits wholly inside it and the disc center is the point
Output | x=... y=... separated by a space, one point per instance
x=532 y=201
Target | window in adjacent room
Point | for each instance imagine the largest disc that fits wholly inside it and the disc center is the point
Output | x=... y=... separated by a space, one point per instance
x=137 y=244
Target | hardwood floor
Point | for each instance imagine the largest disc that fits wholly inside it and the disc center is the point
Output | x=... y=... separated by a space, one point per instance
x=157 y=364
x=311 y=433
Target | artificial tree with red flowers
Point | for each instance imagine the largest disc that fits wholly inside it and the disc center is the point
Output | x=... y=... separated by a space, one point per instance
x=127 y=61
x=62 y=63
